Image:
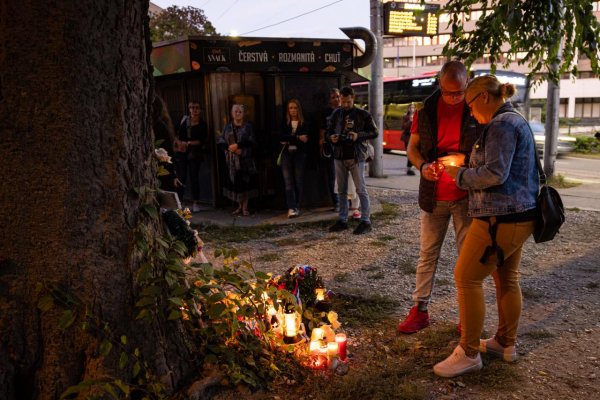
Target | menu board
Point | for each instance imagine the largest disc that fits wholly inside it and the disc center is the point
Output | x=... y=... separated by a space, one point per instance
x=410 y=19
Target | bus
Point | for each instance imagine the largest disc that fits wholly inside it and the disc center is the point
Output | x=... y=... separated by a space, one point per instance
x=398 y=93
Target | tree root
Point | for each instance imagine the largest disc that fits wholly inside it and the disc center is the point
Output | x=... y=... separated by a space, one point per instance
x=197 y=390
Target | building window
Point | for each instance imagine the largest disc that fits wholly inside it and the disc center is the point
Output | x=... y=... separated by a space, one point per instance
x=587 y=107
x=388 y=42
x=388 y=63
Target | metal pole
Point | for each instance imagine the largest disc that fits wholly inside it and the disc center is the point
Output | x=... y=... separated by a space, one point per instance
x=552 y=105
x=376 y=90
x=414 y=56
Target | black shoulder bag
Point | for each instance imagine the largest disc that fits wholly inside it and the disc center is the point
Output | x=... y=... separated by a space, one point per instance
x=550 y=210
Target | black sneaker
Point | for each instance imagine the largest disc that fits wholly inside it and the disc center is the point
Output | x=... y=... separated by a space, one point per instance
x=410 y=171
x=363 y=227
x=338 y=226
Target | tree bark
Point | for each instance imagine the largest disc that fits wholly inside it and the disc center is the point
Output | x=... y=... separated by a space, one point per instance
x=75 y=140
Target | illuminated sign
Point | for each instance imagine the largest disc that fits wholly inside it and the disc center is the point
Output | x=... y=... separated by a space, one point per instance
x=410 y=19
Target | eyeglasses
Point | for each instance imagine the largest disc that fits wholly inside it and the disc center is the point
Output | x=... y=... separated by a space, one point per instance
x=473 y=99
x=455 y=95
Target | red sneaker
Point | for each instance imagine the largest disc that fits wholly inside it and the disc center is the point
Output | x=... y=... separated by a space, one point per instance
x=415 y=321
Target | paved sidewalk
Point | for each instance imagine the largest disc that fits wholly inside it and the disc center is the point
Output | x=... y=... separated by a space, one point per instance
x=584 y=197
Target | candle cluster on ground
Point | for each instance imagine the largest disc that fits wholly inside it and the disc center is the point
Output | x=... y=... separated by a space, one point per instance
x=324 y=349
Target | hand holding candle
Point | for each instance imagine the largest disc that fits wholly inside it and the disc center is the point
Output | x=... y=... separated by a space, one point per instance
x=452 y=162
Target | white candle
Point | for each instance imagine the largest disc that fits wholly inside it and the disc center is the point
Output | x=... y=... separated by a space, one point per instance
x=291 y=330
x=314 y=346
x=317 y=334
x=332 y=349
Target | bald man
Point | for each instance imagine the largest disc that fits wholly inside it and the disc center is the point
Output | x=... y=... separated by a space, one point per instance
x=443 y=126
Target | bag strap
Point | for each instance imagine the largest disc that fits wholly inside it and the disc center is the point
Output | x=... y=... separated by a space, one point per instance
x=541 y=173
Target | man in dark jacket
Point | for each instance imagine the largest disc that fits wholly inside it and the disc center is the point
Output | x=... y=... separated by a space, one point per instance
x=348 y=130
x=443 y=127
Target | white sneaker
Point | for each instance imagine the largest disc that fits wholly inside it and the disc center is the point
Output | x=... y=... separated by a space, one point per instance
x=457 y=364
x=491 y=346
x=292 y=213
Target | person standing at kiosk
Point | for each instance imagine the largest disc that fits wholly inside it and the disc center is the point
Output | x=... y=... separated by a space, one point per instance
x=241 y=176
x=294 y=138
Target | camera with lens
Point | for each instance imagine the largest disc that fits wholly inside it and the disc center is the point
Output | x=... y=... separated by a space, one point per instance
x=348 y=127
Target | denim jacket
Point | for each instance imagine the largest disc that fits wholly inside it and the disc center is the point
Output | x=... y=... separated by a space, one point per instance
x=502 y=177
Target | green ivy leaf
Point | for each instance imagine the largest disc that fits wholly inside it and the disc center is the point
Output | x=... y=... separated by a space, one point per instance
x=123 y=360
x=105 y=348
x=174 y=314
x=144 y=314
x=46 y=303
x=123 y=339
x=136 y=369
x=150 y=210
x=216 y=310
x=66 y=319
x=145 y=301
x=177 y=301
x=123 y=386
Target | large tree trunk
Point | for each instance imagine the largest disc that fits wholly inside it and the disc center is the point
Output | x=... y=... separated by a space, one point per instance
x=74 y=141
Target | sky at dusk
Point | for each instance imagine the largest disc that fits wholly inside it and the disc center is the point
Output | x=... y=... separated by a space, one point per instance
x=246 y=16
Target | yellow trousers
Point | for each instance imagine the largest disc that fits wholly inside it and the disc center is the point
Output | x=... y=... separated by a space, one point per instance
x=469 y=274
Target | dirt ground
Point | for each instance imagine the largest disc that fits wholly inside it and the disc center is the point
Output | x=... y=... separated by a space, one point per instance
x=559 y=357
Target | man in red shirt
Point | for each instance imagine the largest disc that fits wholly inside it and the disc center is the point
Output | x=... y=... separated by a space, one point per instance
x=442 y=128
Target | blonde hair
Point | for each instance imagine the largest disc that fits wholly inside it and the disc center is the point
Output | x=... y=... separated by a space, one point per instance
x=287 y=112
x=493 y=86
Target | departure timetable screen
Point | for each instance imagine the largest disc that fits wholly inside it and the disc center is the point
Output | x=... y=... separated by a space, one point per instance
x=410 y=19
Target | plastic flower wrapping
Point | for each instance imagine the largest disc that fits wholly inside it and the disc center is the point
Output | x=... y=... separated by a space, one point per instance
x=162 y=155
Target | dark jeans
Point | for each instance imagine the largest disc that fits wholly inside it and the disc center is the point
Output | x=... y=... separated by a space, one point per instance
x=408 y=163
x=330 y=167
x=292 y=167
x=185 y=166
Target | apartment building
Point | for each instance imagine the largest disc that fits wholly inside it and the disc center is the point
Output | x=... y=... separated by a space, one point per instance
x=406 y=56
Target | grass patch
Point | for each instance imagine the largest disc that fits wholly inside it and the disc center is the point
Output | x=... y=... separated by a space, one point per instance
x=576 y=209
x=289 y=241
x=236 y=234
x=370 y=381
x=539 y=334
x=559 y=181
x=388 y=212
x=531 y=294
x=364 y=310
x=341 y=277
x=407 y=267
x=371 y=268
x=377 y=276
x=385 y=238
x=268 y=257
x=444 y=282
x=378 y=243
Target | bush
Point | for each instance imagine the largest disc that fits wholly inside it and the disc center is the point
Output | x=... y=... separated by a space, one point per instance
x=587 y=144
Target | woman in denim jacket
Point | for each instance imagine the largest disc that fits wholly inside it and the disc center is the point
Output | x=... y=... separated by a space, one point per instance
x=503 y=184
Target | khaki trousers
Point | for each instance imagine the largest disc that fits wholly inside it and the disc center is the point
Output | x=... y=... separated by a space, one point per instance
x=469 y=274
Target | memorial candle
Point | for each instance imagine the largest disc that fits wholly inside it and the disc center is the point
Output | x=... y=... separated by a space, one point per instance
x=340 y=339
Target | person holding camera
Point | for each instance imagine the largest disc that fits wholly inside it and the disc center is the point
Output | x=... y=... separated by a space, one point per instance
x=348 y=130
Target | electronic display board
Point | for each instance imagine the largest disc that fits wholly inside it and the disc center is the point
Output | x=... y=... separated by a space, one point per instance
x=410 y=19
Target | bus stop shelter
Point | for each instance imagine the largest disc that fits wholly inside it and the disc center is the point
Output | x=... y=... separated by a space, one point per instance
x=263 y=74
